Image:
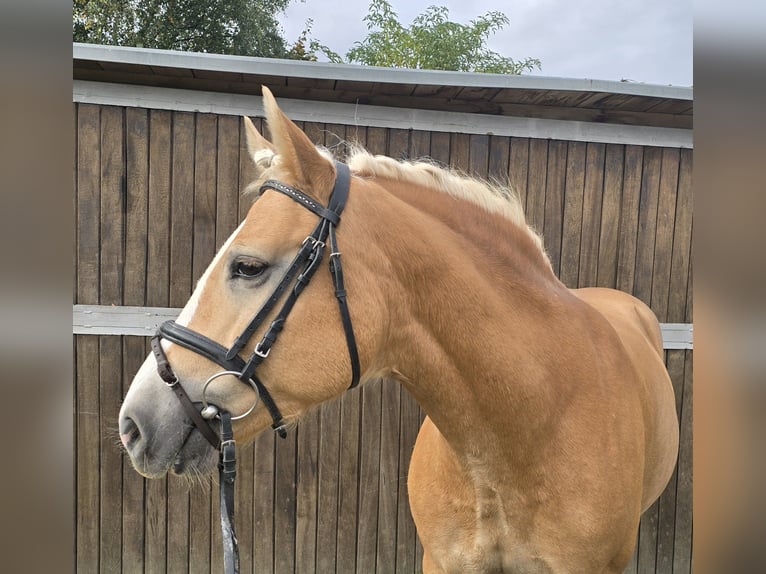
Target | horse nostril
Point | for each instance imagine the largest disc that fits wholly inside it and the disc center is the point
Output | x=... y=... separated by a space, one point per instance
x=129 y=432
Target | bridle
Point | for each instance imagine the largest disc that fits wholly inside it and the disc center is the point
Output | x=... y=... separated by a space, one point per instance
x=298 y=275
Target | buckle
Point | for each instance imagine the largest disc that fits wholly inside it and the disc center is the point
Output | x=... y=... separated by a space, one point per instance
x=227 y=449
x=228 y=443
x=172 y=383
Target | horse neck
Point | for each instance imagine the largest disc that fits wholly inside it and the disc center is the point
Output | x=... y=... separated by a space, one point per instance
x=469 y=291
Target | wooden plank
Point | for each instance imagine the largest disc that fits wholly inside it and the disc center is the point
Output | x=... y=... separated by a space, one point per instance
x=440 y=147
x=398 y=144
x=110 y=352
x=572 y=224
x=327 y=512
x=75 y=147
x=389 y=476
x=671 y=106
x=682 y=233
x=647 y=541
x=112 y=211
x=205 y=152
x=182 y=208
x=110 y=363
x=88 y=454
x=137 y=194
x=682 y=550
x=609 y=237
x=348 y=473
x=459 y=156
x=263 y=503
x=499 y=156
x=632 y=566
x=377 y=139
x=159 y=224
x=284 y=505
x=595 y=156
x=307 y=492
x=88 y=202
x=663 y=245
x=369 y=477
x=555 y=184
x=420 y=145
x=227 y=179
x=667 y=503
x=690 y=290
x=200 y=536
x=87 y=371
x=436 y=91
x=518 y=168
x=631 y=192
x=478 y=156
x=406 y=536
x=647 y=224
x=536 y=179
x=479 y=94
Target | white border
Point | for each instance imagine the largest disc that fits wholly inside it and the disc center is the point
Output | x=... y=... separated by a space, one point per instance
x=152 y=97
x=143 y=321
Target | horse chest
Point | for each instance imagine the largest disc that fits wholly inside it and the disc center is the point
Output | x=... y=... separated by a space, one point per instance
x=495 y=544
x=487 y=555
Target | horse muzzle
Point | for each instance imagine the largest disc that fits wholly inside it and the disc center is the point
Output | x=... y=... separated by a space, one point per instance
x=159 y=437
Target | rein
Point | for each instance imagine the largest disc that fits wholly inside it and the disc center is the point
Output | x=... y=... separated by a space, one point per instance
x=298 y=275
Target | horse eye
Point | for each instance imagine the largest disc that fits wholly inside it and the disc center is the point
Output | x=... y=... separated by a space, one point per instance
x=248 y=269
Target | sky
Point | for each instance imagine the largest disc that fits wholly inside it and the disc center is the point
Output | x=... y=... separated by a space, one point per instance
x=648 y=41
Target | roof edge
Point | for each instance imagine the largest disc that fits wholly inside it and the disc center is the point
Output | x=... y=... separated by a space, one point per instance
x=358 y=73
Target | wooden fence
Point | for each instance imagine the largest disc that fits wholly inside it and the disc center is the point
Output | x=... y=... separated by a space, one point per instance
x=158 y=191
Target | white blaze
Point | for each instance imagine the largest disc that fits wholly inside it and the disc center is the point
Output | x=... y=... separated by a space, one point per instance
x=187 y=313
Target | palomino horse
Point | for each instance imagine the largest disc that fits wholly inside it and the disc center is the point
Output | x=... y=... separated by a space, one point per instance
x=551 y=419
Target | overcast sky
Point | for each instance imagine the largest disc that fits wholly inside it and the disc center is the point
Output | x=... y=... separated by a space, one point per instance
x=648 y=41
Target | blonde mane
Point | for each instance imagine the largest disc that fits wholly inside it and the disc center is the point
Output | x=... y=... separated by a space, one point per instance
x=493 y=198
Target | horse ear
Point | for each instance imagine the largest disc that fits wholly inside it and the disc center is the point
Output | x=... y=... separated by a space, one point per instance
x=260 y=149
x=310 y=171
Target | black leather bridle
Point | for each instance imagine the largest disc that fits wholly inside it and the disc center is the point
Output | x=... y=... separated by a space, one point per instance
x=298 y=275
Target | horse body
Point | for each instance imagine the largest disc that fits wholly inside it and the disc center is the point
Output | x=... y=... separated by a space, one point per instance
x=551 y=421
x=550 y=494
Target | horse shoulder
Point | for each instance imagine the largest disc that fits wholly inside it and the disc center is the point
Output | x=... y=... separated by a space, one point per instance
x=639 y=332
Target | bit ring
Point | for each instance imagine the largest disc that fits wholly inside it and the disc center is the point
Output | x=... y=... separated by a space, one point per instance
x=206 y=405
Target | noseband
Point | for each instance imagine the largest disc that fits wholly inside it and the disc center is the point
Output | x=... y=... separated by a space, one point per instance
x=298 y=275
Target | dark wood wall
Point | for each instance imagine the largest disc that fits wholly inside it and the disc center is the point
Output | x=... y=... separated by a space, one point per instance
x=157 y=192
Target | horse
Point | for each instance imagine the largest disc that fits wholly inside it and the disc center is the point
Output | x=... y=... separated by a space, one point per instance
x=551 y=422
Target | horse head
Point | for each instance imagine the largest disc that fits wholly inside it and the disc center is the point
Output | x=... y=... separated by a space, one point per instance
x=310 y=364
